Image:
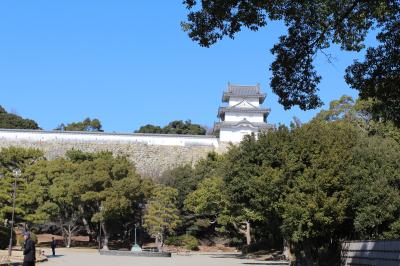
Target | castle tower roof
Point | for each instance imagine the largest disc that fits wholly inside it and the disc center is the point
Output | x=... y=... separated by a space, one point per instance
x=241 y=91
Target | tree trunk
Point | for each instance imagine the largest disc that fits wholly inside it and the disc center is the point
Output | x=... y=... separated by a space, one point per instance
x=86 y=226
x=68 y=232
x=69 y=236
x=162 y=243
x=286 y=250
x=248 y=234
x=309 y=256
x=105 y=243
x=159 y=242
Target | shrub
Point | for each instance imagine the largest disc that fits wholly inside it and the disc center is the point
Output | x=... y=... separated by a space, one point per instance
x=191 y=243
x=174 y=240
x=187 y=241
x=20 y=239
x=5 y=237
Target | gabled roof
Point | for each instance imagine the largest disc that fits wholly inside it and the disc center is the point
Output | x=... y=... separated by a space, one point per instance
x=243 y=92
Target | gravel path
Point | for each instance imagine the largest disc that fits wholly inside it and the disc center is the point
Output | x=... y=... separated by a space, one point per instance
x=77 y=257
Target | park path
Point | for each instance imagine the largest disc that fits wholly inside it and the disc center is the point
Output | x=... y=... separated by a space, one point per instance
x=91 y=257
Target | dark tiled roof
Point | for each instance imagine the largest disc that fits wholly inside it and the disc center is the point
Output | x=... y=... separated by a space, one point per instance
x=243 y=92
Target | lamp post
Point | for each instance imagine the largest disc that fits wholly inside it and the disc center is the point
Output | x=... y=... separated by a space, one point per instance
x=135 y=235
x=101 y=208
x=17 y=173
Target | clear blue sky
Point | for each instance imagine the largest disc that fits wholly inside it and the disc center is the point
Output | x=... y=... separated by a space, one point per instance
x=128 y=63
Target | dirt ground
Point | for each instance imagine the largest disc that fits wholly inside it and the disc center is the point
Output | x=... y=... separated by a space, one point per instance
x=88 y=257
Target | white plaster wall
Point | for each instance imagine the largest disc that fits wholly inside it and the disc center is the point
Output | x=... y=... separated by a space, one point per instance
x=236 y=116
x=235 y=100
x=149 y=139
x=235 y=135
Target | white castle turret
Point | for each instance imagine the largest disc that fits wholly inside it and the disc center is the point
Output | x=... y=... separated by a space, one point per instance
x=243 y=115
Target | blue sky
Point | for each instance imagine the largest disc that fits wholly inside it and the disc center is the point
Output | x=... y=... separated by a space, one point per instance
x=128 y=63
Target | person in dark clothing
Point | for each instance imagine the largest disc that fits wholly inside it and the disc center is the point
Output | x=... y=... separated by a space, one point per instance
x=53 y=246
x=29 y=250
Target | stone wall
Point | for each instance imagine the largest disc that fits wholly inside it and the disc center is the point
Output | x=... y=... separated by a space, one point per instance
x=371 y=253
x=152 y=154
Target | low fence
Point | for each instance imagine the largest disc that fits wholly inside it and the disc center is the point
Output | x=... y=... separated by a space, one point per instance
x=371 y=253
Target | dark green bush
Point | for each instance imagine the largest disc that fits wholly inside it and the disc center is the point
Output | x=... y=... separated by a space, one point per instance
x=174 y=241
x=187 y=241
x=5 y=237
x=20 y=239
x=191 y=243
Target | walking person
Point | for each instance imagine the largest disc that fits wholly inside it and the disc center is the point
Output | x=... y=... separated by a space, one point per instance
x=53 y=246
x=29 y=250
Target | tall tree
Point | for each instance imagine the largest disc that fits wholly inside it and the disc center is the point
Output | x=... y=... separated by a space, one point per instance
x=11 y=159
x=175 y=127
x=85 y=125
x=111 y=191
x=375 y=188
x=150 y=129
x=13 y=121
x=162 y=215
x=377 y=78
x=312 y=27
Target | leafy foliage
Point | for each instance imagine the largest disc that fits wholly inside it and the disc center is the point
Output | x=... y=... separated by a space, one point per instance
x=86 y=125
x=174 y=127
x=187 y=241
x=12 y=159
x=336 y=177
x=150 y=129
x=162 y=215
x=306 y=188
x=378 y=76
x=5 y=237
x=13 y=121
x=312 y=27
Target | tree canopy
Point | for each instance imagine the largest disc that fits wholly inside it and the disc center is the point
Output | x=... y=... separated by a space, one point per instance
x=312 y=27
x=162 y=215
x=174 y=127
x=303 y=188
x=85 y=125
x=13 y=121
x=309 y=186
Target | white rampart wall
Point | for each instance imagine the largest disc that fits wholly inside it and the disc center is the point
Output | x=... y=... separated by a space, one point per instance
x=149 y=139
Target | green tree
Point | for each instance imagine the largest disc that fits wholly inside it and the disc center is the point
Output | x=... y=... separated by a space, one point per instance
x=374 y=187
x=162 y=215
x=13 y=121
x=184 y=127
x=174 y=127
x=149 y=129
x=312 y=27
x=64 y=205
x=378 y=76
x=86 y=125
x=183 y=179
x=315 y=201
x=210 y=201
x=13 y=158
x=242 y=169
x=111 y=192
x=52 y=198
